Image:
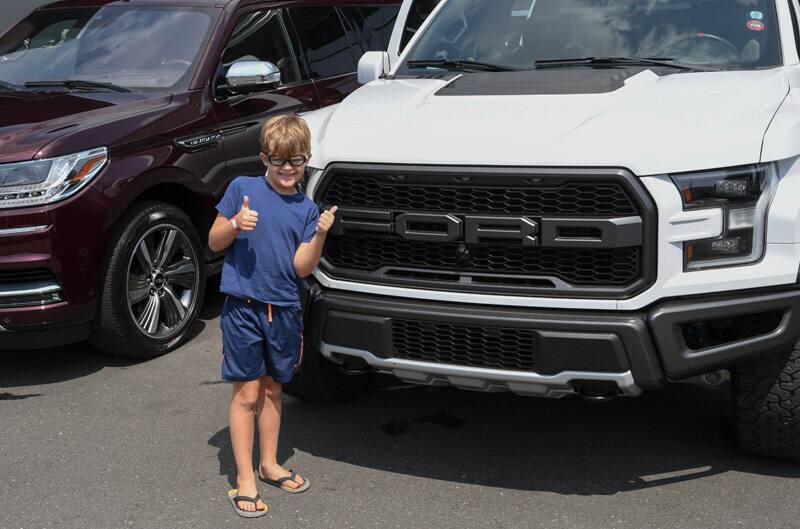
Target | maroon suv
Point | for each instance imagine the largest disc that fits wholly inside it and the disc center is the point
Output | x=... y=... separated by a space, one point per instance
x=121 y=124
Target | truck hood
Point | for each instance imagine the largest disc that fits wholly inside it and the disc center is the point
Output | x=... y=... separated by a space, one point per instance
x=650 y=124
x=31 y=120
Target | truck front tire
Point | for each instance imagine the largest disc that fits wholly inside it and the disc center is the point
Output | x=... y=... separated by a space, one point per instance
x=768 y=405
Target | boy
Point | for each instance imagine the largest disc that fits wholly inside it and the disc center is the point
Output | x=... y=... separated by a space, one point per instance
x=274 y=236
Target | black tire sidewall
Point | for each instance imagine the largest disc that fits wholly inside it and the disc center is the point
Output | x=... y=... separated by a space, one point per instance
x=118 y=333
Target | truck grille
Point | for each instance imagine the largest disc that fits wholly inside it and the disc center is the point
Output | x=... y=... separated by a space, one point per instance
x=571 y=198
x=488 y=347
x=579 y=266
x=519 y=231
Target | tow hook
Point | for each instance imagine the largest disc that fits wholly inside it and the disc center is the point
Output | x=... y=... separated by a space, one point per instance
x=352 y=365
x=596 y=390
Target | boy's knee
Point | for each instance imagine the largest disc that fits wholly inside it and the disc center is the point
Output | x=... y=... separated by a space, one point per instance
x=246 y=396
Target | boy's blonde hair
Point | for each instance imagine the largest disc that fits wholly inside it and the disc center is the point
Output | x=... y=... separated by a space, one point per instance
x=285 y=136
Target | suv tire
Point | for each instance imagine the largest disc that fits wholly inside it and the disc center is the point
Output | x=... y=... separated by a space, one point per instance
x=768 y=405
x=146 y=310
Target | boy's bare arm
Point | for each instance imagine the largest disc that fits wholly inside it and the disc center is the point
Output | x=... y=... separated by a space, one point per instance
x=307 y=256
x=223 y=233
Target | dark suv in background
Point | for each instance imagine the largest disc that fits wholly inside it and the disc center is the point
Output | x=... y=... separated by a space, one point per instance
x=121 y=124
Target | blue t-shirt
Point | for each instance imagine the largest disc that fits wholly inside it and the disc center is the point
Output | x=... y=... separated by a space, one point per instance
x=260 y=263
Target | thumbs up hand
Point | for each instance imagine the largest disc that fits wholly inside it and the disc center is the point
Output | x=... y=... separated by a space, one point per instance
x=246 y=218
x=326 y=220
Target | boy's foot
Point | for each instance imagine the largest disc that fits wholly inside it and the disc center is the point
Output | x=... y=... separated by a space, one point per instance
x=287 y=480
x=239 y=501
x=252 y=492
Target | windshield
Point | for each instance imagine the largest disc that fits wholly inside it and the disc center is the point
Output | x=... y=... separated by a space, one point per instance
x=728 y=34
x=135 y=47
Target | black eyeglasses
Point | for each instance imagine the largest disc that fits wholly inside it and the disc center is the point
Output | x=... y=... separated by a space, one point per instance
x=295 y=161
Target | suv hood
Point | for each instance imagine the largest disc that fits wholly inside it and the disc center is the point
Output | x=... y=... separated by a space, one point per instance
x=649 y=125
x=31 y=120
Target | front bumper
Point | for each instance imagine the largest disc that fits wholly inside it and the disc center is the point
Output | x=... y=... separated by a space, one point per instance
x=50 y=267
x=569 y=350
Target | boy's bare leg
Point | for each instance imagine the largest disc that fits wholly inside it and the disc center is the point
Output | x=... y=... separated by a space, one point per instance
x=241 y=421
x=270 y=405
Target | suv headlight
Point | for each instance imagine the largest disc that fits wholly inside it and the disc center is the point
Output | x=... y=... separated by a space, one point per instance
x=744 y=193
x=39 y=182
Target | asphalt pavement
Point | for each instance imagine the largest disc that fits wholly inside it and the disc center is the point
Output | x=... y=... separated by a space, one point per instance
x=92 y=441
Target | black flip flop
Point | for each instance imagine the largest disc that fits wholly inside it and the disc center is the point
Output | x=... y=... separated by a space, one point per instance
x=280 y=481
x=234 y=497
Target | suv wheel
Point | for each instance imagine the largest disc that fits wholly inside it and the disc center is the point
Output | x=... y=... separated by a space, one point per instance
x=154 y=283
x=320 y=380
x=768 y=405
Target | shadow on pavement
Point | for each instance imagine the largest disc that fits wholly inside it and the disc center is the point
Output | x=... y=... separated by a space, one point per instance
x=222 y=441
x=47 y=366
x=500 y=440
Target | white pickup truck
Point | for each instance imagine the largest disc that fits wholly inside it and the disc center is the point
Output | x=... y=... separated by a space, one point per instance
x=553 y=197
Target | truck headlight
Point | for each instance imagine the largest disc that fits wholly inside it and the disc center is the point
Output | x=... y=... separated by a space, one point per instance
x=39 y=182
x=744 y=193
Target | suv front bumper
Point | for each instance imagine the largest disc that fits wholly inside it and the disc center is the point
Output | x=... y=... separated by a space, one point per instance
x=570 y=350
x=51 y=260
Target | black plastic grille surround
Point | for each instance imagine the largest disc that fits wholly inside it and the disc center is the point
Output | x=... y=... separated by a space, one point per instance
x=465 y=345
x=491 y=265
x=567 y=199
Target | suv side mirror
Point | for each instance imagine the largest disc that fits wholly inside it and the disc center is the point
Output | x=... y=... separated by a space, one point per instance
x=246 y=75
x=373 y=65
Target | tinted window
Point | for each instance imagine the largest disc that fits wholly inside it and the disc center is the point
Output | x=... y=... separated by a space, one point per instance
x=370 y=28
x=262 y=36
x=135 y=46
x=326 y=47
x=420 y=10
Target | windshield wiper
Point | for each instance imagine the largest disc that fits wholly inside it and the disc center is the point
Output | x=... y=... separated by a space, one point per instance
x=75 y=83
x=462 y=65
x=632 y=61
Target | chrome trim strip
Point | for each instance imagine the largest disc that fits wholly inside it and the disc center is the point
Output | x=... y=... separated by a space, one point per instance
x=26 y=229
x=37 y=288
x=485 y=379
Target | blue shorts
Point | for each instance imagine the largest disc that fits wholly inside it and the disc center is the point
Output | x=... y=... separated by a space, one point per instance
x=260 y=339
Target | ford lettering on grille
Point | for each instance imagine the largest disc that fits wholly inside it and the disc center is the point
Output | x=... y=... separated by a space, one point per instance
x=618 y=232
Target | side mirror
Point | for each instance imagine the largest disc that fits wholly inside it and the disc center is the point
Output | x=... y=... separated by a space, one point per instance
x=244 y=75
x=373 y=65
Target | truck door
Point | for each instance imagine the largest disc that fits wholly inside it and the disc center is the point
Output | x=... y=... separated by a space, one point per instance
x=259 y=35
